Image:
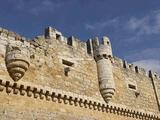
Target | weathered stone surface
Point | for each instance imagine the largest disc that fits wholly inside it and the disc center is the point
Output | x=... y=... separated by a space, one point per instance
x=47 y=92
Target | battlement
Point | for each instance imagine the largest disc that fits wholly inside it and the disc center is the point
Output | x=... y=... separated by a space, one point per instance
x=85 y=76
x=51 y=33
x=154 y=75
x=133 y=68
x=11 y=35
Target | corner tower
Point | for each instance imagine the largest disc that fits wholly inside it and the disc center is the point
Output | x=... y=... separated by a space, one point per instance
x=104 y=58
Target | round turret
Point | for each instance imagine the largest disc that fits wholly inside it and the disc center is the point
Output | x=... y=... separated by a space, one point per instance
x=17 y=61
x=104 y=49
x=103 y=57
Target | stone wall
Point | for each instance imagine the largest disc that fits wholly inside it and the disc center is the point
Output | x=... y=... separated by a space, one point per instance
x=141 y=97
x=61 y=83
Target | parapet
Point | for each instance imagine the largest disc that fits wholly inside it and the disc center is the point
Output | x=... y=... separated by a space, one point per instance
x=52 y=33
x=5 y=34
x=154 y=75
x=133 y=68
x=49 y=57
x=73 y=42
x=9 y=37
x=93 y=43
x=76 y=43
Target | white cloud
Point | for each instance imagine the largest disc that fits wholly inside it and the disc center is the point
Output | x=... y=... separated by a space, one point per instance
x=102 y=25
x=149 y=64
x=144 y=54
x=133 y=30
x=36 y=7
x=44 y=6
x=147 y=25
x=147 y=58
x=142 y=28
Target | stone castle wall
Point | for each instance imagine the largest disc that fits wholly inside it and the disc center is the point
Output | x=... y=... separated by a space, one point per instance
x=61 y=82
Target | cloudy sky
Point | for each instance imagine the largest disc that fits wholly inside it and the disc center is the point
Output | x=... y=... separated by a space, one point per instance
x=132 y=25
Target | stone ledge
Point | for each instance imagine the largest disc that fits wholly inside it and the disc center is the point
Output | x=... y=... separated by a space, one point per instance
x=59 y=96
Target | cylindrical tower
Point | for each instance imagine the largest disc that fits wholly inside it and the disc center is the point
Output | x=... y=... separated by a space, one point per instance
x=103 y=57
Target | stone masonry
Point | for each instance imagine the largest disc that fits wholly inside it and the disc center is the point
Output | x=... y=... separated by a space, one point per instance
x=53 y=77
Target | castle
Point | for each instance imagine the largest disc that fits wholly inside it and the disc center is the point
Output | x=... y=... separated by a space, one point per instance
x=56 y=78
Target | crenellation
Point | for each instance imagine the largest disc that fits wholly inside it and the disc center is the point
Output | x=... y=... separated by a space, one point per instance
x=23 y=39
x=49 y=33
x=150 y=73
x=118 y=62
x=131 y=67
x=52 y=33
x=106 y=41
x=156 y=75
x=4 y=32
x=64 y=39
x=137 y=69
x=146 y=73
x=77 y=44
x=95 y=43
x=11 y=36
x=125 y=64
x=72 y=41
x=34 y=71
x=89 y=47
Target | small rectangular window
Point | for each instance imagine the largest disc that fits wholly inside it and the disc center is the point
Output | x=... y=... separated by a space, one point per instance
x=132 y=86
x=68 y=63
x=66 y=71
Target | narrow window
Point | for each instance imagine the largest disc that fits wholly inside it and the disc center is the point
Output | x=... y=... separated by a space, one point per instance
x=68 y=63
x=133 y=87
x=66 y=71
x=67 y=67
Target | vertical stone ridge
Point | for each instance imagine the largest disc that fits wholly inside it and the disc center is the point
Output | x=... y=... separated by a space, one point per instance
x=155 y=82
x=104 y=59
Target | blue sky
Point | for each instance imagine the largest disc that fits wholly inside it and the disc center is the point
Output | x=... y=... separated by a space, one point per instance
x=133 y=26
